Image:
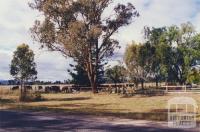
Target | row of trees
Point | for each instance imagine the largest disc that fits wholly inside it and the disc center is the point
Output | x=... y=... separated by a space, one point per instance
x=168 y=54
x=83 y=30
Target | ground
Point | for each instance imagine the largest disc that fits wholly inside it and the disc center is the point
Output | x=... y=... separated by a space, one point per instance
x=25 y=121
x=85 y=104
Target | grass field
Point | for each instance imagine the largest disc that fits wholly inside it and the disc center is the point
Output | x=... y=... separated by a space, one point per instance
x=136 y=107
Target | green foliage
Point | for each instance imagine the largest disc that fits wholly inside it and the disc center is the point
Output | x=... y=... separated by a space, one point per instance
x=116 y=74
x=182 y=53
x=167 y=54
x=78 y=29
x=132 y=60
x=194 y=76
x=79 y=75
x=23 y=67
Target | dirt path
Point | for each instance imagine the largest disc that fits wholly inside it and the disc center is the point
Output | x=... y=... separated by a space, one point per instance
x=27 y=121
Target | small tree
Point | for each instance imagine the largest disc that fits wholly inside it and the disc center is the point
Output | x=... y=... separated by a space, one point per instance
x=23 y=67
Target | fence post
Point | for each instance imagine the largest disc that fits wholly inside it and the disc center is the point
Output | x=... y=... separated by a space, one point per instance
x=166 y=89
x=185 y=88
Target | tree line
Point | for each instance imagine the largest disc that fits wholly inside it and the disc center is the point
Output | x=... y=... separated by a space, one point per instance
x=83 y=31
x=168 y=54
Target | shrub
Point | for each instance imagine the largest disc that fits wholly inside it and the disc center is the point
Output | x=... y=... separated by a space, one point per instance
x=30 y=97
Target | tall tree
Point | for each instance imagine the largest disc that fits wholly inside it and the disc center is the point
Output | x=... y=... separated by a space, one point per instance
x=23 y=67
x=153 y=45
x=80 y=29
x=184 y=50
x=176 y=49
x=132 y=61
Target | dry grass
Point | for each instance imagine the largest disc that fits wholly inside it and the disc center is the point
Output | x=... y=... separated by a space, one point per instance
x=137 y=107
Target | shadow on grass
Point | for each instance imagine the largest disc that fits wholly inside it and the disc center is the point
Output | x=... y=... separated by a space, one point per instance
x=69 y=99
x=77 y=106
x=6 y=101
x=92 y=109
x=158 y=116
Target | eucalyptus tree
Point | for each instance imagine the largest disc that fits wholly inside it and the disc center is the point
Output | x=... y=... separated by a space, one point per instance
x=152 y=53
x=23 y=67
x=176 y=48
x=184 y=50
x=132 y=60
x=81 y=29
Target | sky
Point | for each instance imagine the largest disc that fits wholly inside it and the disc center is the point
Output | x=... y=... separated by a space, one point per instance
x=16 y=18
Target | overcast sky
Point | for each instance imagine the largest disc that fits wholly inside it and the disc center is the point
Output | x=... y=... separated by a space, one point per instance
x=16 y=18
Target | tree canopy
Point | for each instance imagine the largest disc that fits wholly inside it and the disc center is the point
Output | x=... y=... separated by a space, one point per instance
x=23 y=67
x=167 y=54
x=115 y=74
x=78 y=29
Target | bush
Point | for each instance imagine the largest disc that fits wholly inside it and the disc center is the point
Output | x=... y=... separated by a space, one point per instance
x=38 y=96
x=30 y=97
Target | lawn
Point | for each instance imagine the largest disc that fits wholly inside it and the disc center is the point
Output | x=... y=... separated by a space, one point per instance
x=103 y=104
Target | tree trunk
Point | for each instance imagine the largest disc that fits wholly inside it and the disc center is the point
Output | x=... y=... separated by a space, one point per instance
x=156 y=82
x=142 y=84
x=22 y=93
x=137 y=81
x=93 y=85
x=93 y=65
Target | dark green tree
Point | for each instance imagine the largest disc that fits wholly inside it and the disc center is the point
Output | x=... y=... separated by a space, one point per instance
x=79 y=75
x=154 y=37
x=184 y=51
x=174 y=51
x=116 y=74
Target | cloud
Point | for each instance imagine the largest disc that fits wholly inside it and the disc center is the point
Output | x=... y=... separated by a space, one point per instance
x=158 y=13
x=4 y=65
x=52 y=66
x=16 y=18
x=197 y=22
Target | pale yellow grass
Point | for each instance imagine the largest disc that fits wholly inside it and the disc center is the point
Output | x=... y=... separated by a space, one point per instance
x=139 y=107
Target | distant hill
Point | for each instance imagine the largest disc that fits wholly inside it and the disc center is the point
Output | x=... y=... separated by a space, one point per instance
x=4 y=82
